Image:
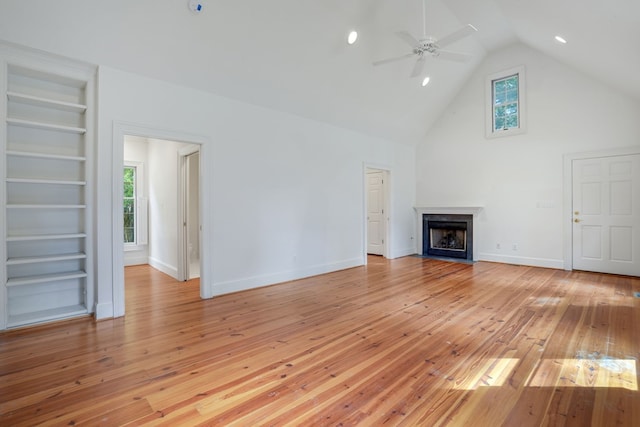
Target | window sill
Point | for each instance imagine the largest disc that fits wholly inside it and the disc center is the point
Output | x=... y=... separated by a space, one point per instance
x=507 y=132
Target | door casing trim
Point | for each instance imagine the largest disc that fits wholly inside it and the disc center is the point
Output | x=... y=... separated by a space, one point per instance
x=120 y=129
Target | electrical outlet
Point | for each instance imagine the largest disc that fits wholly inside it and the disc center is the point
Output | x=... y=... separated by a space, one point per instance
x=515 y=247
x=497 y=245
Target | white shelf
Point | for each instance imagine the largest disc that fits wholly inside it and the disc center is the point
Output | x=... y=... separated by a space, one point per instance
x=44 y=155
x=46 y=126
x=45 y=315
x=47 y=144
x=45 y=102
x=30 y=206
x=43 y=278
x=44 y=181
x=45 y=258
x=34 y=237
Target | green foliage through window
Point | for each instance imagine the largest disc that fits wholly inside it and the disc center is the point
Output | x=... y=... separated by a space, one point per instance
x=129 y=204
x=505 y=103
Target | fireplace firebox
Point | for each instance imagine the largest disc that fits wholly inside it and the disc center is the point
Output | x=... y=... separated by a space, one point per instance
x=447 y=236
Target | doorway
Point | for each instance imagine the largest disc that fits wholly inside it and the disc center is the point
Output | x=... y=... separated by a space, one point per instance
x=376 y=211
x=120 y=129
x=604 y=212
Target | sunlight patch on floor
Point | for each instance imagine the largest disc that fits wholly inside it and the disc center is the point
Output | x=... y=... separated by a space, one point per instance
x=601 y=372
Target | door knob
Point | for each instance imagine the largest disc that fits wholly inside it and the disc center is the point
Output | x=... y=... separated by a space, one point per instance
x=577 y=213
x=576 y=220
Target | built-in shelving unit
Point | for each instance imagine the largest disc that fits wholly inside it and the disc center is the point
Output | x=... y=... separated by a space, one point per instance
x=46 y=145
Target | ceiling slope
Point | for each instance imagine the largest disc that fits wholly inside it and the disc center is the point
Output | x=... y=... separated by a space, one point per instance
x=291 y=55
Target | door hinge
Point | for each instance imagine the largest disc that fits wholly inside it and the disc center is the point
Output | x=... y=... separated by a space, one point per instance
x=383 y=241
x=383 y=211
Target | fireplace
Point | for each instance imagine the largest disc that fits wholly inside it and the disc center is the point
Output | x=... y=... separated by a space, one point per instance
x=447 y=235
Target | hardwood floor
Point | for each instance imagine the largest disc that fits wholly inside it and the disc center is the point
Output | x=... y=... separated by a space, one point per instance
x=404 y=342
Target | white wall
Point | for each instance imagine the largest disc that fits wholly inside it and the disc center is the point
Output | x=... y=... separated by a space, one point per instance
x=286 y=192
x=512 y=176
x=163 y=205
x=135 y=150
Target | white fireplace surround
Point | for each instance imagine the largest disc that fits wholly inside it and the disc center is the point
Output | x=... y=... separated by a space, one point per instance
x=449 y=210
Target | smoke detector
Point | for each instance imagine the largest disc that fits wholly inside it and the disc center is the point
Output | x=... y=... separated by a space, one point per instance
x=195 y=6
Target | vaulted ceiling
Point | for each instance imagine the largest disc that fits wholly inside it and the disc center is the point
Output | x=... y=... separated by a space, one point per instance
x=291 y=55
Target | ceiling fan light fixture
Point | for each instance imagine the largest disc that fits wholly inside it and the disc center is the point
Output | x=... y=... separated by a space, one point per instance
x=425 y=81
x=352 y=37
x=560 y=39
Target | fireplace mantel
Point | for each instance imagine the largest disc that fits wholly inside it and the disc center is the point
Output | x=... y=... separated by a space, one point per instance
x=460 y=210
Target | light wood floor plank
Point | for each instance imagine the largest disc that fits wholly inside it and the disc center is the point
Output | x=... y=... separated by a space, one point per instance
x=402 y=342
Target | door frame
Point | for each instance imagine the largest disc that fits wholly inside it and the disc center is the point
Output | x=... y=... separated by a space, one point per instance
x=183 y=210
x=567 y=211
x=120 y=129
x=386 y=175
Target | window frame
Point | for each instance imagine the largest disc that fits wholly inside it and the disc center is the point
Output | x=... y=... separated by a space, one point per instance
x=490 y=104
x=140 y=219
x=135 y=205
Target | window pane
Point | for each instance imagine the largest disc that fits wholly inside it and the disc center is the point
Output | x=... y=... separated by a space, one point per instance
x=129 y=180
x=129 y=235
x=129 y=204
x=505 y=103
x=128 y=190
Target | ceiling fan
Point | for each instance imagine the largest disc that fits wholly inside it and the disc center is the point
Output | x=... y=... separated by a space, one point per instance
x=430 y=46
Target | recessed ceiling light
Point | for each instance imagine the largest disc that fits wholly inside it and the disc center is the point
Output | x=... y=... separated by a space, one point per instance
x=353 y=36
x=425 y=81
x=561 y=40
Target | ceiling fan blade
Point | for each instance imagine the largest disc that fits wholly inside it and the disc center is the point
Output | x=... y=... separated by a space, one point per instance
x=418 y=67
x=396 y=58
x=452 y=56
x=408 y=38
x=456 y=35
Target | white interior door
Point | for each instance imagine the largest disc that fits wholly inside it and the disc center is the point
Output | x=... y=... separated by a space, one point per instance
x=375 y=213
x=606 y=214
x=188 y=212
x=192 y=215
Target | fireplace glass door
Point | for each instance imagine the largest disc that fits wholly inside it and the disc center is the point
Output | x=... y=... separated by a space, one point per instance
x=448 y=238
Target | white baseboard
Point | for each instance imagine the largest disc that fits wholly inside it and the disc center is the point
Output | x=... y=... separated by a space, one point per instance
x=103 y=310
x=403 y=252
x=230 y=286
x=533 y=262
x=165 y=268
x=135 y=260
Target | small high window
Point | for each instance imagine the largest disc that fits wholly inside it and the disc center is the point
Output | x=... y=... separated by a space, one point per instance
x=506 y=106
